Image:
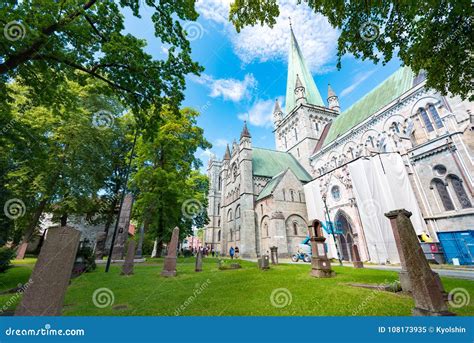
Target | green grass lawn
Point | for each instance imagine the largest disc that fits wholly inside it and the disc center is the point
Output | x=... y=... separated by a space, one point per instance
x=245 y=291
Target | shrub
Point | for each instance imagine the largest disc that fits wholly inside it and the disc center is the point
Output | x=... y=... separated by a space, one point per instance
x=6 y=255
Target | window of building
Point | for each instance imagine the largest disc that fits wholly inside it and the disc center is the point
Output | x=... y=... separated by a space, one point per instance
x=284 y=139
x=461 y=194
x=296 y=134
x=426 y=119
x=395 y=127
x=219 y=235
x=284 y=195
x=370 y=141
x=265 y=229
x=435 y=115
x=336 y=193
x=300 y=196
x=439 y=169
x=220 y=183
x=218 y=208
x=229 y=215
x=316 y=126
x=218 y=222
x=292 y=195
x=443 y=194
x=295 y=228
x=237 y=212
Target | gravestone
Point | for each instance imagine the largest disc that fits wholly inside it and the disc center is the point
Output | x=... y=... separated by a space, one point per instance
x=274 y=254
x=320 y=264
x=50 y=277
x=426 y=286
x=127 y=267
x=169 y=268
x=101 y=238
x=139 y=252
x=20 y=254
x=198 y=267
x=356 y=257
x=264 y=262
x=124 y=223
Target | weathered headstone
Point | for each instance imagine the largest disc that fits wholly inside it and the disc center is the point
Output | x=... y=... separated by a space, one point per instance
x=124 y=223
x=198 y=266
x=51 y=274
x=356 y=257
x=426 y=286
x=274 y=254
x=169 y=268
x=100 y=241
x=20 y=254
x=320 y=264
x=139 y=252
x=127 y=267
x=264 y=262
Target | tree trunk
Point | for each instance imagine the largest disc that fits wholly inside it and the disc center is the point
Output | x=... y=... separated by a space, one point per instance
x=30 y=229
x=64 y=219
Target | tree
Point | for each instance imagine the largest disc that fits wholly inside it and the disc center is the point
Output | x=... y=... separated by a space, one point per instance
x=431 y=36
x=169 y=189
x=45 y=43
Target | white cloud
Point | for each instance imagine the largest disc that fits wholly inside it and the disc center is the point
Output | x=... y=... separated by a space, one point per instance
x=221 y=142
x=230 y=89
x=358 y=79
x=261 y=113
x=208 y=153
x=316 y=37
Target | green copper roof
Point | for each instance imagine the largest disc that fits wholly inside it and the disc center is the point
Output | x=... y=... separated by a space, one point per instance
x=297 y=65
x=270 y=186
x=397 y=84
x=269 y=163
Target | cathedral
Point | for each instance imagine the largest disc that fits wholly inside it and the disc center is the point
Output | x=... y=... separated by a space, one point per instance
x=401 y=145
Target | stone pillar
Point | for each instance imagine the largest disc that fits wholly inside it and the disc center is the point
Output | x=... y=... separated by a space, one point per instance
x=124 y=223
x=169 y=268
x=50 y=277
x=100 y=241
x=127 y=267
x=278 y=222
x=139 y=252
x=274 y=254
x=426 y=285
x=198 y=266
x=356 y=257
x=320 y=264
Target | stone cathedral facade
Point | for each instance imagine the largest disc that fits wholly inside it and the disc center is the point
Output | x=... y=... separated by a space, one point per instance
x=258 y=197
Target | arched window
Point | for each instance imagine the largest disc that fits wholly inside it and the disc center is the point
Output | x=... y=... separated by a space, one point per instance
x=229 y=215
x=265 y=229
x=461 y=194
x=370 y=141
x=300 y=196
x=426 y=119
x=295 y=228
x=296 y=134
x=237 y=212
x=316 y=126
x=351 y=151
x=336 y=193
x=220 y=183
x=219 y=235
x=395 y=127
x=292 y=194
x=435 y=115
x=218 y=208
x=218 y=222
x=443 y=194
x=284 y=139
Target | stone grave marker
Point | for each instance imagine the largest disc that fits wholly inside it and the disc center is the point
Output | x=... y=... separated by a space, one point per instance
x=124 y=223
x=101 y=238
x=50 y=277
x=198 y=267
x=127 y=267
x=426 y=286
x=264 y=262
x=274 y=254
x=320 y=264
x=169 y=268
x=356 y=257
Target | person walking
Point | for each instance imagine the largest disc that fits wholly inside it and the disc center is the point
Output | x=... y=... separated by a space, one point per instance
x=231 y=253
x=237 y=252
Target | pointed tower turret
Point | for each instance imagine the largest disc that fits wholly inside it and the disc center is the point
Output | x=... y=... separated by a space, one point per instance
x=300 y=92
x=277 y=113
x=245 y=131
x=333 y=101
x=227 y=153
x=297 y=68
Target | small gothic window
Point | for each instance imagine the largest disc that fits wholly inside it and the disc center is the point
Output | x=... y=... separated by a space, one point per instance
x=220 y=183
x=443 y=194
x=370 y=141
x=218 y=222
x=229 y=215
x=295 y=229
x=292 y=194
x=426 y=119
x=435 y=115
x=439 y=169
x=336 y=193
x=284 y=139
x=396 y=127
x=284 y=195
x=218 y=208
x=237 y=212
x=351 y=151
x=296 y=134
x=219 y=235
x=265 y=228
x=460 y=191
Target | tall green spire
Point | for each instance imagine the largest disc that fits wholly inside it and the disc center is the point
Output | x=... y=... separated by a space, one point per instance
x=297 y=66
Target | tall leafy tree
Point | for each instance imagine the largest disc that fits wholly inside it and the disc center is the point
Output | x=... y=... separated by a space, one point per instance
x=431 y=35
x=44 y=43
x=170 y=190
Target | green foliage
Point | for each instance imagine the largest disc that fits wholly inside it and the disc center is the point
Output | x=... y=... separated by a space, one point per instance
x=6 y=255
x=49 y=42
x=432 y=36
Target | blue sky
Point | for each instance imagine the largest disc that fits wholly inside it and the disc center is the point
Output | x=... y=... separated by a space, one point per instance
x=246 y=72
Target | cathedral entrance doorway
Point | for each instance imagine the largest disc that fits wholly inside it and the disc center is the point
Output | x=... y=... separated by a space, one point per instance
x=345 y=235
